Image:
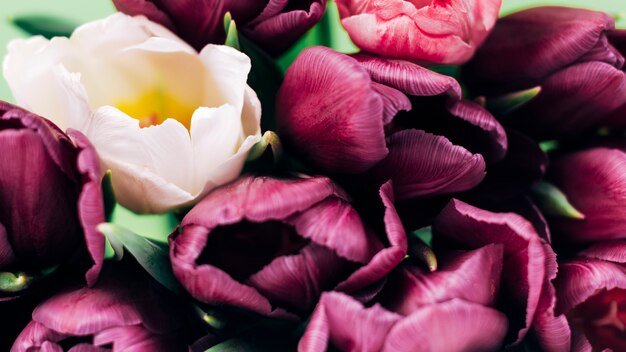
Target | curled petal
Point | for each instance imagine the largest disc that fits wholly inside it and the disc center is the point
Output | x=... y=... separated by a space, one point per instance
x=421 y=164
x=593 y=182
x=38 y=335
x=580 y=279
x=473 y=276
x=454 y=325
x=611 y=251
x=327 y=109
x=343 y=322
x=525 y=260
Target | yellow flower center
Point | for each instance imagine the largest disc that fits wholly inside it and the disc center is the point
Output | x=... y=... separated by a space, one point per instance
x=155 y=107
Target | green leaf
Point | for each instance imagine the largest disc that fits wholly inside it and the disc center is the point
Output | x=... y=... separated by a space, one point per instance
x=548 y=146
x=508 y=103
x=108 y=195
x=269 y=139
x=15 y=282
x=156 y=227
x=151 y=256
x=420 y=247
x=47 y=26
x=553 y=202
x=232 y=37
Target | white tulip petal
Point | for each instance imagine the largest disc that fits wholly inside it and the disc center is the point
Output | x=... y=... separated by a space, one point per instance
x=251 y=114
x=163 y=45
x=228 y=69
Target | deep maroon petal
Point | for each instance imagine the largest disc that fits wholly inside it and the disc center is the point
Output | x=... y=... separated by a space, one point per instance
x=473 y=276
x=533 y=44
x=525 y=263
x=90 y=202
x=7 y=257
x=421 y=164
x=39 y=201
x=277 y=32
x=455 y=325
x=146 y=8
x=386 y=259
x=408 y=77
x=327 y=109
x=342 y=322
x=573 y=100
x=580 y=279
x=594 y=182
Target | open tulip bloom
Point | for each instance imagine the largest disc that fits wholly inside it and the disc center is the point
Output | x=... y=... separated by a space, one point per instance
x=282 y=175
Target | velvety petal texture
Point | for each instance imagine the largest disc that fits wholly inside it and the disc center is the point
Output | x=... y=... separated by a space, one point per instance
x=527 y=258
x=569 y=53
x=273 y=245
x=389 y=119
x=440 y=32
x=122 y=313
x=342 y=322
x=593 y=181
x=50 y=196
x=274 y=25
x=149 y=103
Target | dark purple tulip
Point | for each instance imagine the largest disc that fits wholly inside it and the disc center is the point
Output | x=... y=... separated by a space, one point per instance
x=568 y=53
x=594 y=181
x=50 y=196
x=529 y=262
x=122 y=314
x=454 y=325
x=272 y=246
x=388 y=118
x=591 y=292
x=272 y=24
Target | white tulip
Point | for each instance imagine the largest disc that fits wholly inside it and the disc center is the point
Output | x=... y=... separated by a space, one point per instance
x=169 y=122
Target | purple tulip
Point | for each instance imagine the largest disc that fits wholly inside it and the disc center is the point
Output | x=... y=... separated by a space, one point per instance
x=529 y=262
x=50 y=196
x=122 y=314
x=272 y=246
x=573 y=54
x=591 y=293
x=389 y=119
x=272 y=24
x=455 y=325
x=594 y=181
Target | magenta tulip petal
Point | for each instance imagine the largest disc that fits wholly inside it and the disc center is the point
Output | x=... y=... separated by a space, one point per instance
x=386 y=259
x=525 y=262
x=550 y=115
x=146 y=8
x=90 y=202
x=7 y=257
x=594 y=183
x=580 y=279
x=279 y=32
x=343 y=322
x=37 y=335
x=611 y=251
x=297 y=281
x=421 y=164
x=534 y=44
x=313 y=224
x=580 y=342
x=408 y=77
x=38 y=238
x=455 y=325
x=133 y=338
x=326 y=103
x=473 y=276
x=393 y=101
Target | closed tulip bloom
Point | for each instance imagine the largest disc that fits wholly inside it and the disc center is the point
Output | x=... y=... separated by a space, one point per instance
x=169 y=122
x=119 y=314
x=274 y=25
x=456 y=325
x=593 y=181
x=574 y=55
x=50 y=196
x=445 y=32
x=386 y=119
x=272 y=246
x=591 y=292
x=529 y=262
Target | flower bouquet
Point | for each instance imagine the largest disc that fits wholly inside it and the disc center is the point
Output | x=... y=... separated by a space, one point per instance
x=352 y=175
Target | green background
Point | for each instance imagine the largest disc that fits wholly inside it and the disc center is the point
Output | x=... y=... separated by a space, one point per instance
x=80 y=11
